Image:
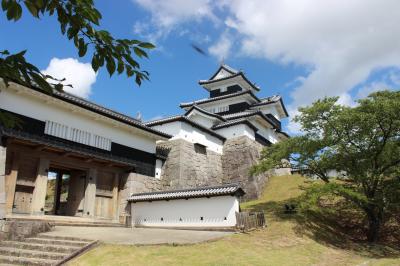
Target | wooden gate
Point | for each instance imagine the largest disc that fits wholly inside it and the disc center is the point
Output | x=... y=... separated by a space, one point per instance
x=246 y=221
x=25 y=184
x=22 y=199
x=104 y=195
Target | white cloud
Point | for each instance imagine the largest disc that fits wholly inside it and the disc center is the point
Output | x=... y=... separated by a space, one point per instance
x=80 y=75
x=222 y=47
x=167 y=14
x=389 y=81
x=341 y=41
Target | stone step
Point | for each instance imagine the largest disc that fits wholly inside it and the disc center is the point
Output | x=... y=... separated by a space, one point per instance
x=71 y=243
x=88 y=224
x=43 y=236
x=27 y=253
x=39 y=247
x=26 y=261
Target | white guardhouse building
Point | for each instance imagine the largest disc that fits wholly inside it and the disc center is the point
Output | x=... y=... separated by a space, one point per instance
x=82 y=151
x=207 y=207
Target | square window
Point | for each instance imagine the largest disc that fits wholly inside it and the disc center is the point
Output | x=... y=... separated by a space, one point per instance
x=199 y=148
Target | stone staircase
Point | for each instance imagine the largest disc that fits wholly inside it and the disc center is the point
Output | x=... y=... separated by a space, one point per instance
x=42 y=250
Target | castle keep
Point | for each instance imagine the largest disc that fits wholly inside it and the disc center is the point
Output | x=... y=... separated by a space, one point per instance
x=219 y=138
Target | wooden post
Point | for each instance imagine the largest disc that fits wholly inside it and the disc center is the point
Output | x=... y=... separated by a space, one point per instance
x=11 y=182
x=115 y=202
x=57 y=193
x=90 y=193
x=3 y=156
x=39 y=193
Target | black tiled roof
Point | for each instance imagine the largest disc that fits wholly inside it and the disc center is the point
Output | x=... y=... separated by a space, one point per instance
x=201 y=110
x=271 y=100
x=240 y=73
x=235 y=122
x=222 y=190
x=249 y=114
x=65 y=145
x=83 y=103
x=226 y=68
x=207 y=100
x=184 y=119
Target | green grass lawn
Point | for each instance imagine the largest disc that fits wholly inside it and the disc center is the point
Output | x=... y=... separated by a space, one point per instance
x=285 y=241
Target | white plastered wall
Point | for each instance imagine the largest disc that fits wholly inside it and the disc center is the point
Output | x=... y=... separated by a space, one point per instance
x=159 y=164
x=202 y=119
x=46 y=108
x=269 y=109
x=267 y=133
x=183 y=130
x=216 y=212
x=237 y=131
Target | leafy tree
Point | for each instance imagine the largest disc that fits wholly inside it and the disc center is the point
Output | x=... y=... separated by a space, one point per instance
x=361 y=143
x=79 y=21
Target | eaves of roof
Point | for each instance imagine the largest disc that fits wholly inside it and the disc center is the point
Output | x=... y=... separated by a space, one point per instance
x=65 y=145
x=227 y=96
x=226 y=68
x=201 y=110
x=235 y=122
x=215 y=191
x=210 y=81
x=85 y=104
x=271 y=102
x=259 y=113
x=187 y=120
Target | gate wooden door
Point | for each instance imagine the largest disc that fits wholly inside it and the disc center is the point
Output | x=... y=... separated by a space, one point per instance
x=104 y=203
x=22 y=199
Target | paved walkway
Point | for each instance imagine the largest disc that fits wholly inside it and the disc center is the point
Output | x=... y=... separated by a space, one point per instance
x=136 y=236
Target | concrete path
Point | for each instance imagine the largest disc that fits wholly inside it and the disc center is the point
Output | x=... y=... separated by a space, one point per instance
x=136 y=236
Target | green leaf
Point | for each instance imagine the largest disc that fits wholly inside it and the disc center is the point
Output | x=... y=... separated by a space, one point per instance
x=147 y=45
x=121 y=66
x=41 y=82
x=5 y=4
x=110 y=65
x=14 y=11
x=82 y=47
x=139 y=52
x=32 y=8
x=138 y=79
x=95 y=63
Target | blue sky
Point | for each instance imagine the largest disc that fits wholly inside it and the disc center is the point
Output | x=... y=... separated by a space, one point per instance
x=301 y=50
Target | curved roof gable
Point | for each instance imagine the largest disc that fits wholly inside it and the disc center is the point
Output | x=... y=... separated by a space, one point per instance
x=214 y=99
x=195 y=109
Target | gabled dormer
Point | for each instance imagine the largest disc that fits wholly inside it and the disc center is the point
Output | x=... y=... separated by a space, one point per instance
x=227 y=80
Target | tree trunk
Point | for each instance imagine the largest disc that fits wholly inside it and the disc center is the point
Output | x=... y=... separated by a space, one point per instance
x=374 y=225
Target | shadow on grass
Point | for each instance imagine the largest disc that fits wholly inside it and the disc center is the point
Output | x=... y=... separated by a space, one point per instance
x=334 y=226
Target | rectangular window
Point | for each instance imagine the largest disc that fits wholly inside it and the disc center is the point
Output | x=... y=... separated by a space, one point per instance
x=223 y=109
x=77 y=135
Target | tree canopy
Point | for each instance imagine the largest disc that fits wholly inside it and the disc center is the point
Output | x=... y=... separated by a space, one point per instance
x=360 y=144
x=80 y=22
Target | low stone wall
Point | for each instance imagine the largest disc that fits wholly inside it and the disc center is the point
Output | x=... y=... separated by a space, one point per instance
x=18 y=230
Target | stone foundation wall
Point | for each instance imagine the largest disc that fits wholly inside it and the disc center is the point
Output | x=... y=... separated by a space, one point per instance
x=18 y=230
x=185 y=168
x=239 y=155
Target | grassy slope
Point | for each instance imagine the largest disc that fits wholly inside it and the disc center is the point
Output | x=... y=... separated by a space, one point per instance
x=278 y=244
